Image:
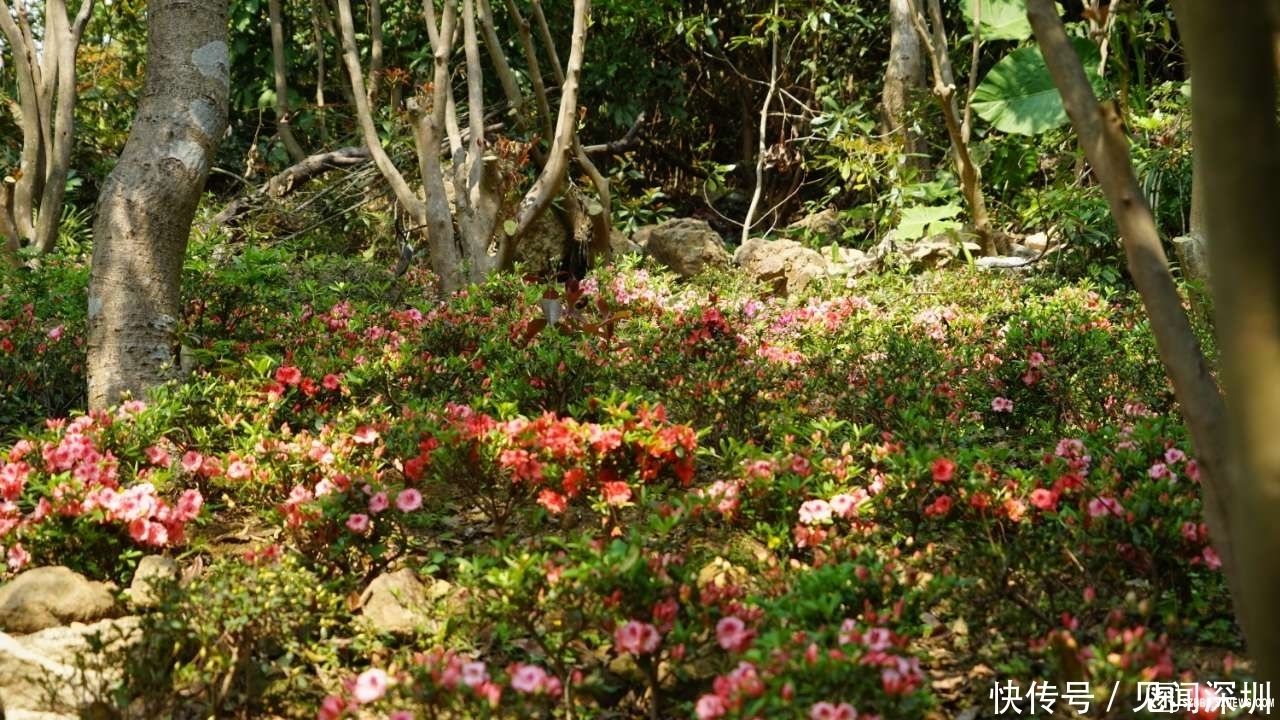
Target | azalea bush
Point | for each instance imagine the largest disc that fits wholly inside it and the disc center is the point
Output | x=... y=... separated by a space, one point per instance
x=645 y=497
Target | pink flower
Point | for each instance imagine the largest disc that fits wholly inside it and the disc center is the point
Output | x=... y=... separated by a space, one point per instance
x=814 y=512
x=191 y=461
x=532 y=679
x=710 y=707
x=844 y=505
x=1044 y=499
x=1211 y=559
x=637 y=638
x=56 y=333
x=1102 y=505
x=238 y=470
x=733 y=635
x=17 y=557
x=408 y=500
x=358 y=523
x=1035 y=359
x=378 y=503
x=189 y=504
x=331 y=382
x=331 y=708
x=1174 y=456
x=1158 y=470
x=474 y=673
x=1002 y=404
x=365 y=435
x=878 y=639
x=828 y=711
x=401 y=715
x=1190 y=531
x=157 y=456
x=616 y=492
x=371 y=685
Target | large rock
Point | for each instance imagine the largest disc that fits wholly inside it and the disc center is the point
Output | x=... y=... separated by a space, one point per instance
x=823 y=225
x=785 y=265
x=47 y=597
x=684 y=245
x=153 y=574
x=52 y=673
x=398 y=603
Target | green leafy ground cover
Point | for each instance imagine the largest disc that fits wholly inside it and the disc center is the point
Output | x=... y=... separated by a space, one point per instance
x=681 y=500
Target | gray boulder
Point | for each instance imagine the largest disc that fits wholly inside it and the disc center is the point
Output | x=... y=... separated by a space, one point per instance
x=684 y=245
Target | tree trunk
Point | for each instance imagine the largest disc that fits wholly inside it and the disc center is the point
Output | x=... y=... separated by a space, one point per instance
x=149 y=200
x=1237 y=145
x=902 y=77
x=47 y=95
x=1107 y=148
x=284 y=127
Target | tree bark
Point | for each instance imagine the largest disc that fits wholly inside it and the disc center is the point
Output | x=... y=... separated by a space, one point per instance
x=1102 y=137
x=284 y=128
x=149 y=200
x=903 y=75
x=1237 y=144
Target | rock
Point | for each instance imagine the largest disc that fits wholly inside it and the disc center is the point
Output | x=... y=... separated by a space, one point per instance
x=821 y=225
x=684 y=245
x=398 y=603
x=50 y=674
x=849 y=261
x=154 y=571
x=541 y=249
x=47 y=597
x=785 y=265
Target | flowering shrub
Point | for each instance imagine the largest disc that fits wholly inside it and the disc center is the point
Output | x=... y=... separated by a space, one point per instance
x=76 y=495
x=675 y=501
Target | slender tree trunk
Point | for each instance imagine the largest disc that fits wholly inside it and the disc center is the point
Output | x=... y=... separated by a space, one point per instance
x=1107 y=149
x=149 y=200
x=284 y=129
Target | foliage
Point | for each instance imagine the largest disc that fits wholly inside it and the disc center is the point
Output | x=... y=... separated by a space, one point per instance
x=646 y=497
x=42 y=356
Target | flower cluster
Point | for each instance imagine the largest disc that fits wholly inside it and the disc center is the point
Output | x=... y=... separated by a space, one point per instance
x=69 y=474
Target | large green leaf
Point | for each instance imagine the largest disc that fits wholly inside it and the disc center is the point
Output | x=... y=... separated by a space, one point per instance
x=1018 y=95
x=921 y=221
x=998 y=19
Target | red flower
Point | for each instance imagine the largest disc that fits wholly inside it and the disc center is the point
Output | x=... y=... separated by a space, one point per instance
x=943 y=470
x=289 y=375
x=939 y=507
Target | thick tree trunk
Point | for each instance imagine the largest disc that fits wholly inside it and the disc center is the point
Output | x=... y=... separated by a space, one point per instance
x=903 y=76
x=1237 y=146
x=1203 y=409
x=149 y=200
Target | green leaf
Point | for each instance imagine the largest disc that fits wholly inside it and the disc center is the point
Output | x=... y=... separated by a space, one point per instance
x=998 y=19
x=509 y=227
x=922 y=221
x=1018 y=95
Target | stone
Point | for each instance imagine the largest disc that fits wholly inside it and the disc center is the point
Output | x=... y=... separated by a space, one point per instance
x=47 y=597
x=822 y=225
x=51 y=673
x=786 y=266
x=154 y=571
x=398 y=603
x=684 y=245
